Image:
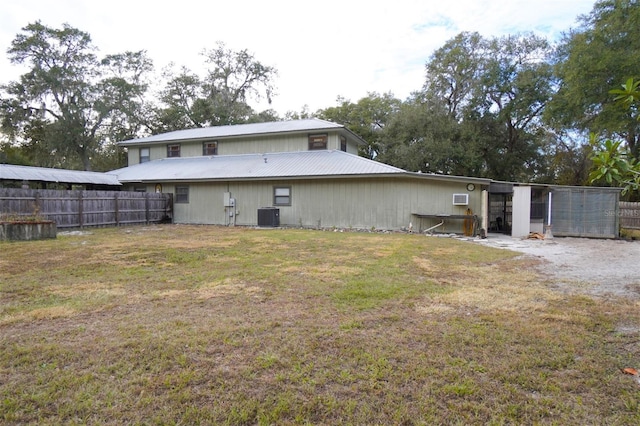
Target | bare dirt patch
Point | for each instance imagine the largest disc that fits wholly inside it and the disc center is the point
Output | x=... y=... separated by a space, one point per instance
x=582 y=265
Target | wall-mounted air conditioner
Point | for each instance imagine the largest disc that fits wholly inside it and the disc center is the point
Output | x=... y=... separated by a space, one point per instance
x=460 y=199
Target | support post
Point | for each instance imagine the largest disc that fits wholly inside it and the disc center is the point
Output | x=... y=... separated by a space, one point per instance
x=116 y=208
x=37 y=208
x=80 y=210
x=547 y=232
x=146 y=207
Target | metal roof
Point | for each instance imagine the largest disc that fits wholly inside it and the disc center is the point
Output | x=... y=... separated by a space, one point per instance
x=237 y=130
x=508 y=186
x=299 y=164
x=41 y=174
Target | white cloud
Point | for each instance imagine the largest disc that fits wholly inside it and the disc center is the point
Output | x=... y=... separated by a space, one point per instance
x=322 y=49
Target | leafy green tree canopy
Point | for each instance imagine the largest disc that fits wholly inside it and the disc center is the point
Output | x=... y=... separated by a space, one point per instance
x=366 y=118
x=613 y=163
x=219 y=97
x=598 y=55
x=613 y=166
x=495 y=90
x=70 y=105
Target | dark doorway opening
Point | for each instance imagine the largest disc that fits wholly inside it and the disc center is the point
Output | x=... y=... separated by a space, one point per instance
x=500 y=213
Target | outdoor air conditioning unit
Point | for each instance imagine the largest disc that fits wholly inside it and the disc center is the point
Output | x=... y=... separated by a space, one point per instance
x=460 y=199
x=269 y=217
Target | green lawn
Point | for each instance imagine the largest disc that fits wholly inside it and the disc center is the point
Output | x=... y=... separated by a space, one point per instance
x=209 y=325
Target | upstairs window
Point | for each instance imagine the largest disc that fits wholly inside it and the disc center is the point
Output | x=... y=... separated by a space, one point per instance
x=317 y=142
x=145 y=155
x=173 y=150
x=343 y=144
x=210 y=148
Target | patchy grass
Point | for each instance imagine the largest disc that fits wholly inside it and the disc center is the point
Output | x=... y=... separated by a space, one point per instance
x=209 y=325
x=628 y=233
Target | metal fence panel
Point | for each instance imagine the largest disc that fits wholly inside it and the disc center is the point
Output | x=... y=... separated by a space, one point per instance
x=585 y=212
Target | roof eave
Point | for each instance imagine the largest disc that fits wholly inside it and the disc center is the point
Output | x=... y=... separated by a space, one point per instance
x=392 y=175
x=553 y=185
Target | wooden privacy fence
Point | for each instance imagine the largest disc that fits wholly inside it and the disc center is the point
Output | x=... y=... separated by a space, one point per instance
x=76 y=209
x=629 y=215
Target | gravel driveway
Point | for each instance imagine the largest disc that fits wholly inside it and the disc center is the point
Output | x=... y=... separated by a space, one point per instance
x=591 y=266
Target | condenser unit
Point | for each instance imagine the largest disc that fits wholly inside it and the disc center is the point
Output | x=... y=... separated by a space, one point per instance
x=269 y=217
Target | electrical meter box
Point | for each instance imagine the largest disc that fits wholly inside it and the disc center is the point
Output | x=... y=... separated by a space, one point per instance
x=227 y=200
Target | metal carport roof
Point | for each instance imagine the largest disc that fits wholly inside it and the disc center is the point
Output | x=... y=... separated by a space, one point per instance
x=42 y=174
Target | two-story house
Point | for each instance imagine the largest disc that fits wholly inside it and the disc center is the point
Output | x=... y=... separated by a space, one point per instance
x=308 y=170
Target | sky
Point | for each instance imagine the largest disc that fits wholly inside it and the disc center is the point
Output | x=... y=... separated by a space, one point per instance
x=321 y=49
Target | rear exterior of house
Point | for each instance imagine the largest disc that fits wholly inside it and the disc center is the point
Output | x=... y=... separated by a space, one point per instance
x=382 y=202
x=307 y=171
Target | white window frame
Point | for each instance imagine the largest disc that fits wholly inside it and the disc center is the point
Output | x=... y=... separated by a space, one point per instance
x=145 y=158
x=281 y=195
x=181 y=194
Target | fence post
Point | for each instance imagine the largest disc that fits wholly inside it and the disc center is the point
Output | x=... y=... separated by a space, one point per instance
x=36 y=207
x=146 y=207
x=116 y=207
x=80 y=209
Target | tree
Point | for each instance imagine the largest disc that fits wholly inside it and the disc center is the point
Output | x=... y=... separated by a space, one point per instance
x=629 y=97
x=69 y=105
x=614 y=166
x=514 y=89
x=367 y=118
x=303 y=114
x=495 y=90
x=613 y=163
x=421 y=136
x=220 y=97
x=12 y=154
x=453 y=71
x=603 y=51
x=567 y=160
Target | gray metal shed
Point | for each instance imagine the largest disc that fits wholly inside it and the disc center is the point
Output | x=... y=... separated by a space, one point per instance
x=573 y=211
x=585 y=212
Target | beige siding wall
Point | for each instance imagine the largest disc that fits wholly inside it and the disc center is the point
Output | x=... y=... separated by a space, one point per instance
x=379 y=203
x=133 y=156
x=190 y=149
x=284 y=143
x=253 y=145
x=344 y=203
x=156 y=152
x=352 y=147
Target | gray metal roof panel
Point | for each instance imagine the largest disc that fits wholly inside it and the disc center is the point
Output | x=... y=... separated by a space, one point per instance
x=236 y=130
x=42 y=174
x=254 y=166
